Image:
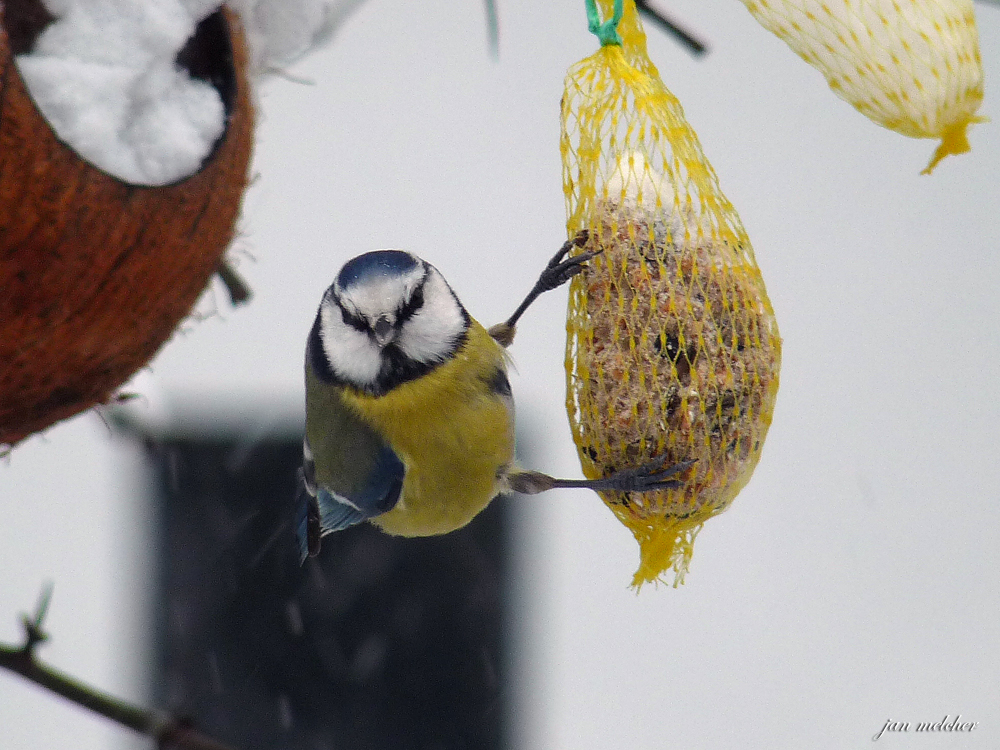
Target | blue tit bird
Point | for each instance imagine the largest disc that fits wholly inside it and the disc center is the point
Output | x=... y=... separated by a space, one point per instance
x=409 y=414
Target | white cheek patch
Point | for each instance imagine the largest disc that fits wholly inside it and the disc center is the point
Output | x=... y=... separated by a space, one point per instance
x=430 y=335
x=351 y=354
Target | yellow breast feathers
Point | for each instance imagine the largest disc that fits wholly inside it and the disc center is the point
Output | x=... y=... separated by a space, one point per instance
x=453 y=428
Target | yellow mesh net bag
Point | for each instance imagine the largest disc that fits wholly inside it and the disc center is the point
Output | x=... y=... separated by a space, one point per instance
x=912 y=66
x=672 y=346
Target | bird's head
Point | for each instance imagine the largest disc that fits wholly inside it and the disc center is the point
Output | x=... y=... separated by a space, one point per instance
x=389 y=317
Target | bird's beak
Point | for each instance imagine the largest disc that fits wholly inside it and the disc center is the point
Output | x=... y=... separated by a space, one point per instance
x=384 y=330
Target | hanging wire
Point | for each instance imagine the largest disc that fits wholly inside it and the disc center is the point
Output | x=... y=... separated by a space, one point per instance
x=694 y=45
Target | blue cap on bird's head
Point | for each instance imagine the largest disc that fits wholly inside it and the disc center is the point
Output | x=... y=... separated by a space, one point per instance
x=377 y=262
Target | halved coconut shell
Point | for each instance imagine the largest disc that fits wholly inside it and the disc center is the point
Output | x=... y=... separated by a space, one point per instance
x=95 y=274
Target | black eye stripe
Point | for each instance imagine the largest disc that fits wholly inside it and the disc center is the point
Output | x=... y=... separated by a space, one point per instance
x=413 y=304
x=404 y=313
x=352 y=320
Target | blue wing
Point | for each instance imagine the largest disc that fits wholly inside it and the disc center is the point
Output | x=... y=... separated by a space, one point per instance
x=322 y=510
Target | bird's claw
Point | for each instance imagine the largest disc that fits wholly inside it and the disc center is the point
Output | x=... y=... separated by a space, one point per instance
x=650 y=476
x=580 y=239
x=559 y=271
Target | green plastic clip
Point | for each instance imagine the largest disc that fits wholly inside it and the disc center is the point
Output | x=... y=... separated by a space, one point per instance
x=606 y=32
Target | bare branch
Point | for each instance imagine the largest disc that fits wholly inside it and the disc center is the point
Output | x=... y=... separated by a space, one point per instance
x=168 y=731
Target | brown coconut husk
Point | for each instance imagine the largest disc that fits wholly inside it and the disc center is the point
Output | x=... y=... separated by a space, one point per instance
x=95 y=274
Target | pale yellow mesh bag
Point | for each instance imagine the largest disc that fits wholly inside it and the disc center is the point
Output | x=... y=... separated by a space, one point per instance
x=912 y=66
x=672 y=346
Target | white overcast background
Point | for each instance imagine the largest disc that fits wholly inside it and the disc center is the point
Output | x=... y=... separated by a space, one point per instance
x=857 y=577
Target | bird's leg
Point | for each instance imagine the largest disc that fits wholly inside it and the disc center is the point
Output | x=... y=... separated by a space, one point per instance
x=556 y=273
x=648 y=477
